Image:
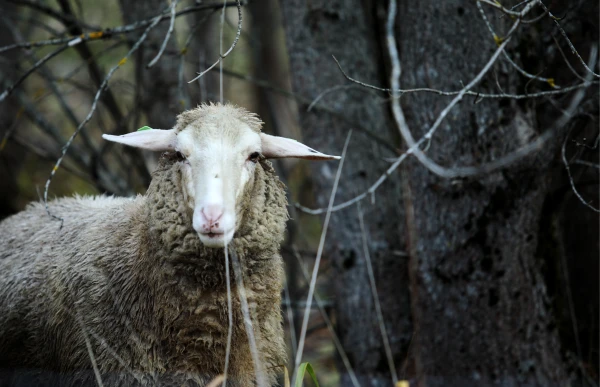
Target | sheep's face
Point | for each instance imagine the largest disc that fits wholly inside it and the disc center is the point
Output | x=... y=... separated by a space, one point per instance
x=219 y=147
x=218 y=166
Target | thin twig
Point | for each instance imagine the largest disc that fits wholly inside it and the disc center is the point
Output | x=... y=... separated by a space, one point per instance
x=535 y=19
x=330 y=327
x=49 y=155
x=384 y=335
x=332 y=89
x=167 y=36
x=519 y=4
x=564 y=34
x=313 y=281
x=567 y=285
x=502 y=162
x=562 y=53
x=36 y=65
x=499 y=6
x=112 y=32
x=468 y=92
x=229 y=315
x=32 y=22
x=184 y=97
x=568 y=169
x=549 y=81
x=46 y=126
x=399 y=117
x=115 y=355
x=221 y=47
x=89 y=349
x=252 y=340
x=586 y=163
x=49 y=77
x=235 y=40
x=290 y=316
x=216 y=381
x=91 y=112
x=61 y=16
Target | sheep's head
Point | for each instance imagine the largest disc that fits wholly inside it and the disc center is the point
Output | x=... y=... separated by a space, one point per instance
x=219 y=147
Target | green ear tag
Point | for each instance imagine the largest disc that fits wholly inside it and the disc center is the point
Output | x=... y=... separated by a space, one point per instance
x=144 y=128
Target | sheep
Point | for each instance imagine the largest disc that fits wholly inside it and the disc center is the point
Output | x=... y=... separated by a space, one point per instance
x=137 y=285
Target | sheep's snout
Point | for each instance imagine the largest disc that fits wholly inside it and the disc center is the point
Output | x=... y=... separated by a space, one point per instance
x=210 y=222
x=208 y=219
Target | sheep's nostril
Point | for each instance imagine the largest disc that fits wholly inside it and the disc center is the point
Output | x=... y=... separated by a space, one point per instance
x=210 y=216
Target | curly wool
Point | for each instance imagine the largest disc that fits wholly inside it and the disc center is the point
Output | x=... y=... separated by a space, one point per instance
x=132 y=276
x=210 y=114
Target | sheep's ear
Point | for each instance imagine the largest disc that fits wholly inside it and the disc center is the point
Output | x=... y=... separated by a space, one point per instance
x=150 y=139
x=274 y=147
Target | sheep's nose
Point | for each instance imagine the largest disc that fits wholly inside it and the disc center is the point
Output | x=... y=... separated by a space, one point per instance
x=211 y=215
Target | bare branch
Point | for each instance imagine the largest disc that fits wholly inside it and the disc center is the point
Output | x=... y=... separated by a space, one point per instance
x=313 y=281
x=564 y=34
x=167 y=36
x=499 y=6
x=91 y=112
x=399 y=117
x=290 y=316
x=32 y=22
x=35 y=66
x=237 y=270
x=330 y=327
x=332 y=89
x=475 y=94
x=549 y=81
x=112 y=32
x=339 y=115
x=89 y=349
x=235 y=40
x=470 y=171
x=184 y=98
x=384 y=335
x=61 y=16
x=562 y=53
x=230 y=316
x=568 y=169
x=586 y=163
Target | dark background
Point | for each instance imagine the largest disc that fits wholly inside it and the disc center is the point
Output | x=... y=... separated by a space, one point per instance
x=483 y=280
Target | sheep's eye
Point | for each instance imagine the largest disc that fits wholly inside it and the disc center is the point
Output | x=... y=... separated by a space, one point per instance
x=254 y=157
x=180 y=155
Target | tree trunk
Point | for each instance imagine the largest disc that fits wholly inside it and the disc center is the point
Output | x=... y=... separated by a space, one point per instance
x=479 y=260
x=479 y=299
x=314 y=31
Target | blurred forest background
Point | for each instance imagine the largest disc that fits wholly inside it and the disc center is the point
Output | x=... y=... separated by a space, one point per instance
x=482 y=252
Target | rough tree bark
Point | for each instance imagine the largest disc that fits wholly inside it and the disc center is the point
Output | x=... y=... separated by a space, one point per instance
x=478 y=277
x=314 y=31
x=479 y=298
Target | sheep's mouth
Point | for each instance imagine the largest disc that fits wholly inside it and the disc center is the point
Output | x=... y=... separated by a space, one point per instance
x=216 y=238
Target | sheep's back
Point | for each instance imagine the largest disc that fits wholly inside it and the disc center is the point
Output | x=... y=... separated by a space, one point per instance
x=40 y=278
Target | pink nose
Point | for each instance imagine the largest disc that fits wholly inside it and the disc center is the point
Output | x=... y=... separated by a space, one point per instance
x=210 y=216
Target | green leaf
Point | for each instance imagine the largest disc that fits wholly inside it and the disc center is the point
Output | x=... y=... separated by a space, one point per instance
x=144 y=128
x=305 y=367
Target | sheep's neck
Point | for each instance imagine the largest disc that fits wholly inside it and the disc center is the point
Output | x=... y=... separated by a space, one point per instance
x=190 y=278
